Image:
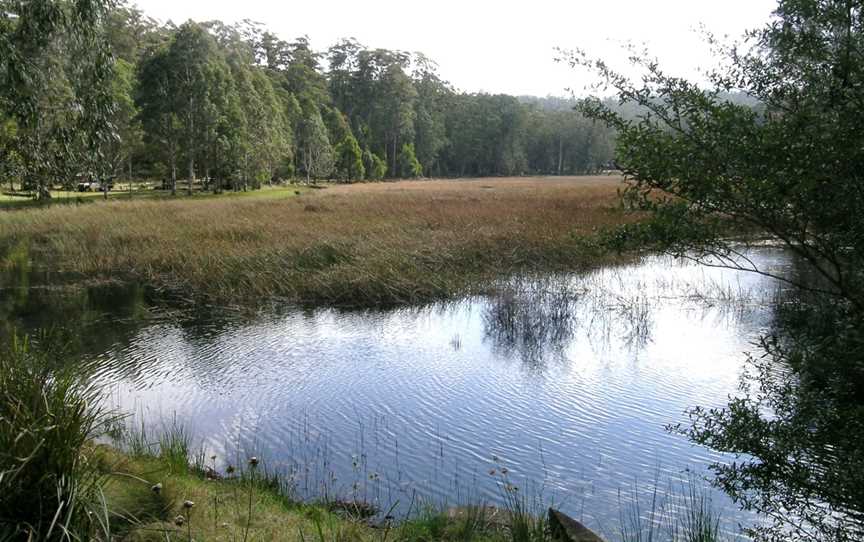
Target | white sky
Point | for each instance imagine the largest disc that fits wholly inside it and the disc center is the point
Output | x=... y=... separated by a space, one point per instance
x=504 y=46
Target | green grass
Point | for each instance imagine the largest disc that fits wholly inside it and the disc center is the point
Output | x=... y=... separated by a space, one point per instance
x=22 y=200
x=247 y=505
x=682 y=512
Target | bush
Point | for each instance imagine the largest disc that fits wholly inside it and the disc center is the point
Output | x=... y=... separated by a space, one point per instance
x=50 y=482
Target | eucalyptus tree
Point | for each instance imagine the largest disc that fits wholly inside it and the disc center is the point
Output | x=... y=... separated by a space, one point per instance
x=125 y=119
x=200 y=77
x=349 y=160
x=396 y=111
x=303 y=76
x=433 y=98
x=270 y=126
x=375 y=91
x=55 y=73
x=10 y=162
x=409 y=166
x=159 y=112
x=184 y=93
x=348 y=165
x=342 y=75
x=486 y=135
x=130 y=33
x=293 y=114
x=316 y=152
x=374 y=165
x=565 y=142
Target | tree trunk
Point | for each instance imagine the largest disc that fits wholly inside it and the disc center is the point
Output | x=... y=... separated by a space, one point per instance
x=560 y=155
x=246 y=172
x=191 y=146
x=191 y=176
x=173 y=176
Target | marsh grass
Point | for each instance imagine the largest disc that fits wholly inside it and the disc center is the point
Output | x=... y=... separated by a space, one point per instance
x=50 y=480
x=531 y=317
x=699 y=520
x=369 y=244
x=526 y=518
x=679 y=512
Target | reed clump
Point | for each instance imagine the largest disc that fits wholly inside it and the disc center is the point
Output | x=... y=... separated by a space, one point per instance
x=360 y=245
x=50 y=478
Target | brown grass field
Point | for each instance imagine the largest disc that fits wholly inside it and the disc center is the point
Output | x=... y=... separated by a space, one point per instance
x=359 y=245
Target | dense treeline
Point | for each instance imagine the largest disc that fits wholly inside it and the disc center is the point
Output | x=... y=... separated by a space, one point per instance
x=236 y=106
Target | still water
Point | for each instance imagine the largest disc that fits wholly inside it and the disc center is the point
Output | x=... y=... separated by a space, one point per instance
x=566 y=383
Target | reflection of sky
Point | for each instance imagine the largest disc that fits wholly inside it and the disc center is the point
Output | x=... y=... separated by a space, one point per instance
x=426 y=397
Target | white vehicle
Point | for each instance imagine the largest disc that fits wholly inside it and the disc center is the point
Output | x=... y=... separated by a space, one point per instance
x=88 y=185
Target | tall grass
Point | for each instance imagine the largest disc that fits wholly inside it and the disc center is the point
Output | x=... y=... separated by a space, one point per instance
x=698 y=520
x=370 y=244
x=50 y=482
x=682 y=512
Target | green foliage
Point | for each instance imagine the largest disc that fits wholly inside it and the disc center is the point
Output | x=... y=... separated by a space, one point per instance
x=375 y=167
x=51 y=483
x=129 y=140
x=162 y=125
x=349 y=160
x=222 y=103
x=702 y=165
x=487 y=136
x=315 y=151
x=564 y=142
x=808 y=452
x=55 y=84
x=409 y=167
x=11 y=166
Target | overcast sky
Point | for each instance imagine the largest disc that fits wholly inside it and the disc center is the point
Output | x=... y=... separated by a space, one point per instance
x=496 y=46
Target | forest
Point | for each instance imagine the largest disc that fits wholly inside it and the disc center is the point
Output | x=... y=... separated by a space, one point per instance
x=235 y=106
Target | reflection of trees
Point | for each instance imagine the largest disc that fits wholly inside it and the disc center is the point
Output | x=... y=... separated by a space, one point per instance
x=90 y=319
x=798 y=427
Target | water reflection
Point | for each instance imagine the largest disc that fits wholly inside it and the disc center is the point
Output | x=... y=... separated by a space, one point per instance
x=93 y=319
x=567 y=380
x=532 y=320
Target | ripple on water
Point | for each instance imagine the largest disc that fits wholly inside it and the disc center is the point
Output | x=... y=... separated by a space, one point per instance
x=571 y=391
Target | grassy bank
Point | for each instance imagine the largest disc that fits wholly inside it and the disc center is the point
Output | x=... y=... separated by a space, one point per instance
x=152 y=497
x=366 y=244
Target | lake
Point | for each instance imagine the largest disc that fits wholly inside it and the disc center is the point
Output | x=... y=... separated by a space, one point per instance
x=561 y=386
